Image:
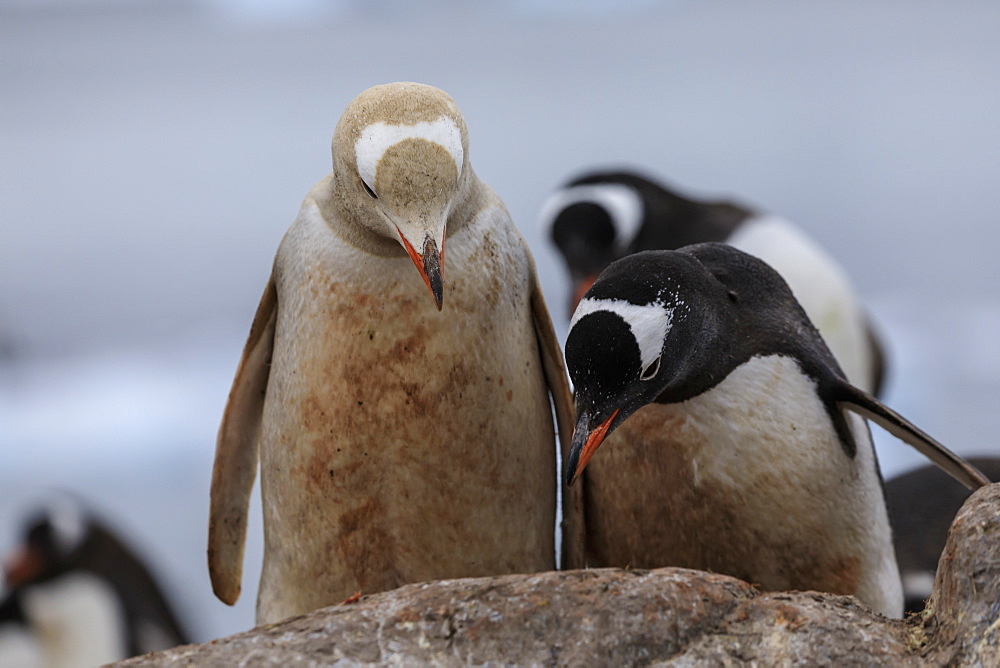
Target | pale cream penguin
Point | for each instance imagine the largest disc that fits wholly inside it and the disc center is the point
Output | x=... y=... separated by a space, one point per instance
x=402 y=436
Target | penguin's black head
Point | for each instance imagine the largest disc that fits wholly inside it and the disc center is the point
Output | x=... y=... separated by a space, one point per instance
x=594 y=220
x=639 y=334
x=52 y=541
x=584 y=232
x=666 y=326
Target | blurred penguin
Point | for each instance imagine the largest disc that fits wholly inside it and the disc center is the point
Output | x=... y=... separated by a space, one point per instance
x=602 y=216
x=81 y=593
x=922 y=505
x=19 y=645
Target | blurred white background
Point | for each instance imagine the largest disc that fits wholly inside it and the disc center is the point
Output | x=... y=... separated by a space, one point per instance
x=153 y=152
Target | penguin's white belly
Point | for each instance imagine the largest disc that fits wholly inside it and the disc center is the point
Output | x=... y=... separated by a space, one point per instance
x=400 y=443
x=78 y=621
x=19 y=648
x=819 y=285
x=750 y=480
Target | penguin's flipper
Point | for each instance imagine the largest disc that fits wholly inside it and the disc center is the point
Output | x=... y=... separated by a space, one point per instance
x=871 y=408
x=236 y=453
x=562 y=398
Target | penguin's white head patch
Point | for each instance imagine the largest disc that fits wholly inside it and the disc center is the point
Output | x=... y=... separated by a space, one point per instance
x=68 y=522
x=649 y=323
x=622 y=203
x=377 y=138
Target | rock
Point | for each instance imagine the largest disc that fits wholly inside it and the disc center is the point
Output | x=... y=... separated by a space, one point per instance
x=615 y=616
x=962 y=619
x=922 y=504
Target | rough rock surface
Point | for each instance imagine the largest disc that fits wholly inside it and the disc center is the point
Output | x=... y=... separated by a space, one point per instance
x=613 y=616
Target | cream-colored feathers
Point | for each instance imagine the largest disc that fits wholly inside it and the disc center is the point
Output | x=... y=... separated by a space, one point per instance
x=397 y=442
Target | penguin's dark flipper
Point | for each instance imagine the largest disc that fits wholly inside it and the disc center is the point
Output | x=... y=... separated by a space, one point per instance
x=235 y=464
x=871 y=408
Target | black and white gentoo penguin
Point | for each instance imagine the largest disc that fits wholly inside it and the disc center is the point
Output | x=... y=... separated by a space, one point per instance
x=606 y=215
x=922 y=504
x=734 y=443
x=402 y=436
x=81 y=595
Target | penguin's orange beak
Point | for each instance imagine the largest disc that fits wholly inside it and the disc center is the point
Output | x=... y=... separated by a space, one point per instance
x=585 y=444
x=580 y=290
x=24 y=565
x=430 y=264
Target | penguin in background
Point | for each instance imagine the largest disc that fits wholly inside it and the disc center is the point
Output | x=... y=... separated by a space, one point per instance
x=922 y=504
x=80 y=594
x=734 y=442
x=19 y=646
x=605 y=215
x=398 y=405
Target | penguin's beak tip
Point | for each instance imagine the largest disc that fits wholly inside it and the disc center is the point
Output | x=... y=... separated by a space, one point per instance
x=434 y=280
x=585 y=444
x=430 y=264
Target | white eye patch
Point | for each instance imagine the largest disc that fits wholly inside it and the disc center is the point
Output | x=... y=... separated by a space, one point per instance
x=649 y=323
x=378 y=138
x=623 y=204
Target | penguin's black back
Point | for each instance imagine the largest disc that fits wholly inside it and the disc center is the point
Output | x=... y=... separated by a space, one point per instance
x=143 y=598
x=11 y=610
x=102 y=554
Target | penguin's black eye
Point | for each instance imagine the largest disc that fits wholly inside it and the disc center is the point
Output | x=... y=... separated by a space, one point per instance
x=650 y=371
x=368 y=189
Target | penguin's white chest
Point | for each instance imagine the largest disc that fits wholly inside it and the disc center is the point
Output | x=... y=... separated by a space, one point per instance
x=79 y=620
x=19 y=647
x=747 y=479
x=764 y=426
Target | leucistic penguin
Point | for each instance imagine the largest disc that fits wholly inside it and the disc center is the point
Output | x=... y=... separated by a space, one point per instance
x=922 y=504
x=80 y=595
x=734 y=443
x=606 y=215
x=402 y=435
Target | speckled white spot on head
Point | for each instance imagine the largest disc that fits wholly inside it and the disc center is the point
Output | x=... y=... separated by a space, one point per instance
x=378 y=138
x=623 y=204
x=649 y=323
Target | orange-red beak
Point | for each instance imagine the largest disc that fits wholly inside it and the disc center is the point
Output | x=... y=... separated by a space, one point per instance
x=430 y=264
x=580 y=290
x=24 y=565
x=585 y=445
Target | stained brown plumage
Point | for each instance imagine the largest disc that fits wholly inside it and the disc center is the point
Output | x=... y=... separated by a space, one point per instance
x=398 y=443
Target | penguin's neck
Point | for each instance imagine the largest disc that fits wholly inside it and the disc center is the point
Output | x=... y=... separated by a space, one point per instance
x=344 y=214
